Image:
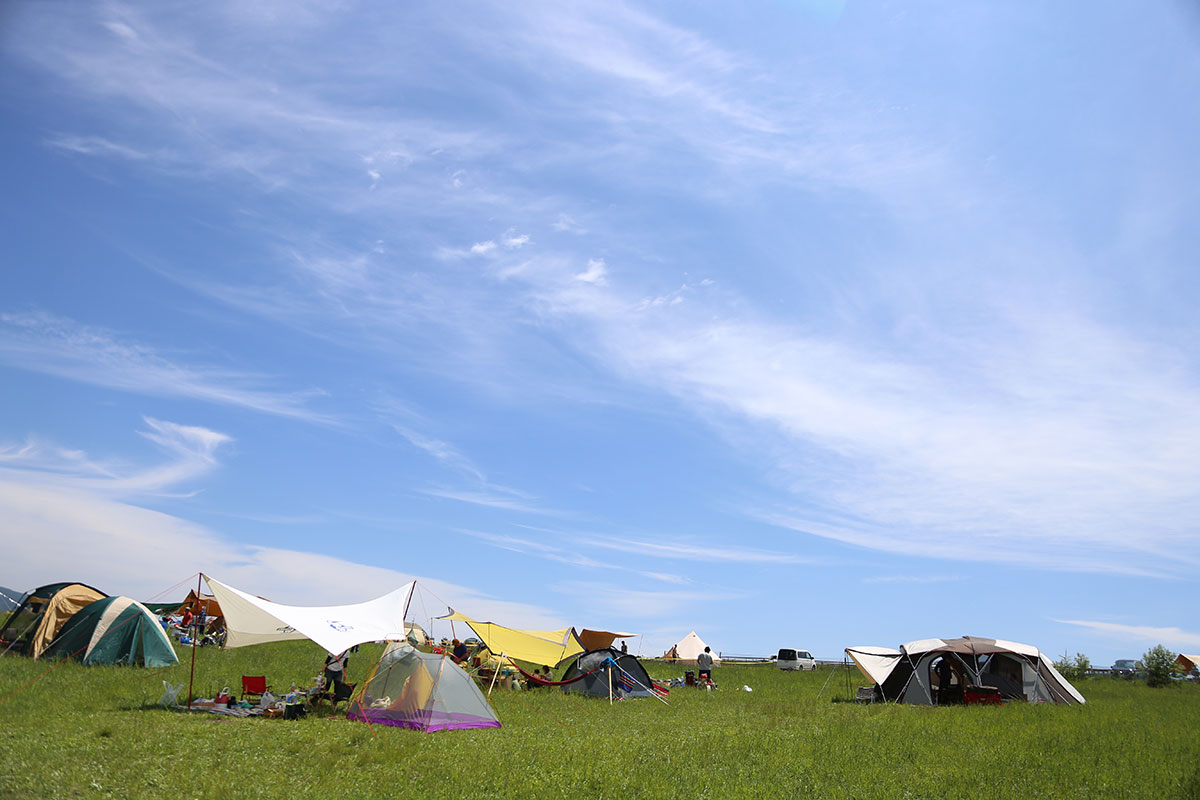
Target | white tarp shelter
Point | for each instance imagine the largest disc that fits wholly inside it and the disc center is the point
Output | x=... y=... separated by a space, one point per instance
x=253 y=620
x=689 y=648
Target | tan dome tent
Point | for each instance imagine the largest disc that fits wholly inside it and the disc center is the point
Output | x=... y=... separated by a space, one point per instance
x=970 y=668
x=36 y=623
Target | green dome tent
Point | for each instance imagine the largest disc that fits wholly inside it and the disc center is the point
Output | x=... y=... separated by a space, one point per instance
x=42 y=614
x=115 y=630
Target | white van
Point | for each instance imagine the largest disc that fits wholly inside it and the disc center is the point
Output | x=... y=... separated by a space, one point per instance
x=787 y=658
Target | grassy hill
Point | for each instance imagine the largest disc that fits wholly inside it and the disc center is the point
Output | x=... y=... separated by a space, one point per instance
x=73 y=731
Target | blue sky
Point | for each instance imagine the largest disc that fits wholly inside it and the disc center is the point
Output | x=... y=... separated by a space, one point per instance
x=800 y=324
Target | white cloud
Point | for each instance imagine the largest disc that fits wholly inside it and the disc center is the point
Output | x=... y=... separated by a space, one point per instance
x=596 y=273
x=444 y=452
x=64 y=348
x=480 y=248
x=70 y=524
x=192 y=450
x=514 y=241
x=1051 y=440
x=504 y=499
x=621 y=602
x=1171 y=637
x=567 y=224
x=98 y=145
x=693 y=552
x=913 y=579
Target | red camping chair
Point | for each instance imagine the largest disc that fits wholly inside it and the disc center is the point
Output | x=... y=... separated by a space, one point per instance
x=254 y=686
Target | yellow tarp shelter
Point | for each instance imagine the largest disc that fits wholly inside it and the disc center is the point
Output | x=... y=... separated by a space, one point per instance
x=547 y=648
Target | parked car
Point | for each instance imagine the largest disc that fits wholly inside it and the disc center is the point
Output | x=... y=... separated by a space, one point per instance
x=788 y=658
x=1126 y=668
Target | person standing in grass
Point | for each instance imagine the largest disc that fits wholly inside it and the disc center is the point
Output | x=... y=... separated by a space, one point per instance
x=704 y=663
x=335 y=670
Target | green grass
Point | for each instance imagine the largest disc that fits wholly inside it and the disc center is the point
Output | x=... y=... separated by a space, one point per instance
x=98 y=732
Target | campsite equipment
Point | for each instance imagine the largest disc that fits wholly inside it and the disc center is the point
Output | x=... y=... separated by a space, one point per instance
x=1016 y=672
x=114 y=630
x=34 y=625
x=425 y=692
x=254 y=686
x=609 y=673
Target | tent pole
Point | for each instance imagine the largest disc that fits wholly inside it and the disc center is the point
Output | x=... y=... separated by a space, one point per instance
x=495 y=672
x=192 y=673
x=610 y=685
x=407 y=603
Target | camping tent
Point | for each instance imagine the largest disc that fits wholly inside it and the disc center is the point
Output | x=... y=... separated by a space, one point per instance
x=114 y=630
x=33 y=626
x=607 y=672
x=426 y=692
x=415 y=634
x=253 y=620
x=910 y=675
x=1189 y=663
x=547 y=648
x=598 y=640
x=689 y=648
x=202 y=602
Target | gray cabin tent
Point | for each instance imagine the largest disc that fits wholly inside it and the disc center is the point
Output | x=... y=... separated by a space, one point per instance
x=943 y=671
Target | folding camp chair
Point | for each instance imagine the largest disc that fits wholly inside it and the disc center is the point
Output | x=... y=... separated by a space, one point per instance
x=254 y=686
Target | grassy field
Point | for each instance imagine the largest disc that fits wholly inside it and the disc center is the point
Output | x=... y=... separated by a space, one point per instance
x=99 y=732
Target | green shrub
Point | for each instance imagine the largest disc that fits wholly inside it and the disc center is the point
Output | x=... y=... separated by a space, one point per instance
x=1159 y=665
x=1073 y=669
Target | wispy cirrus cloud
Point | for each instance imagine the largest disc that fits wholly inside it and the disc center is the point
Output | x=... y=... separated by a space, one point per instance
x=99 y=146
x=692 y=552
x=192 y=451
x=1171 y=637
x=913 y=579
x=495 y=497
x=62 y=347
x=620 y=602
x=81 y=503
x=1044 y=441
x=565 y=548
